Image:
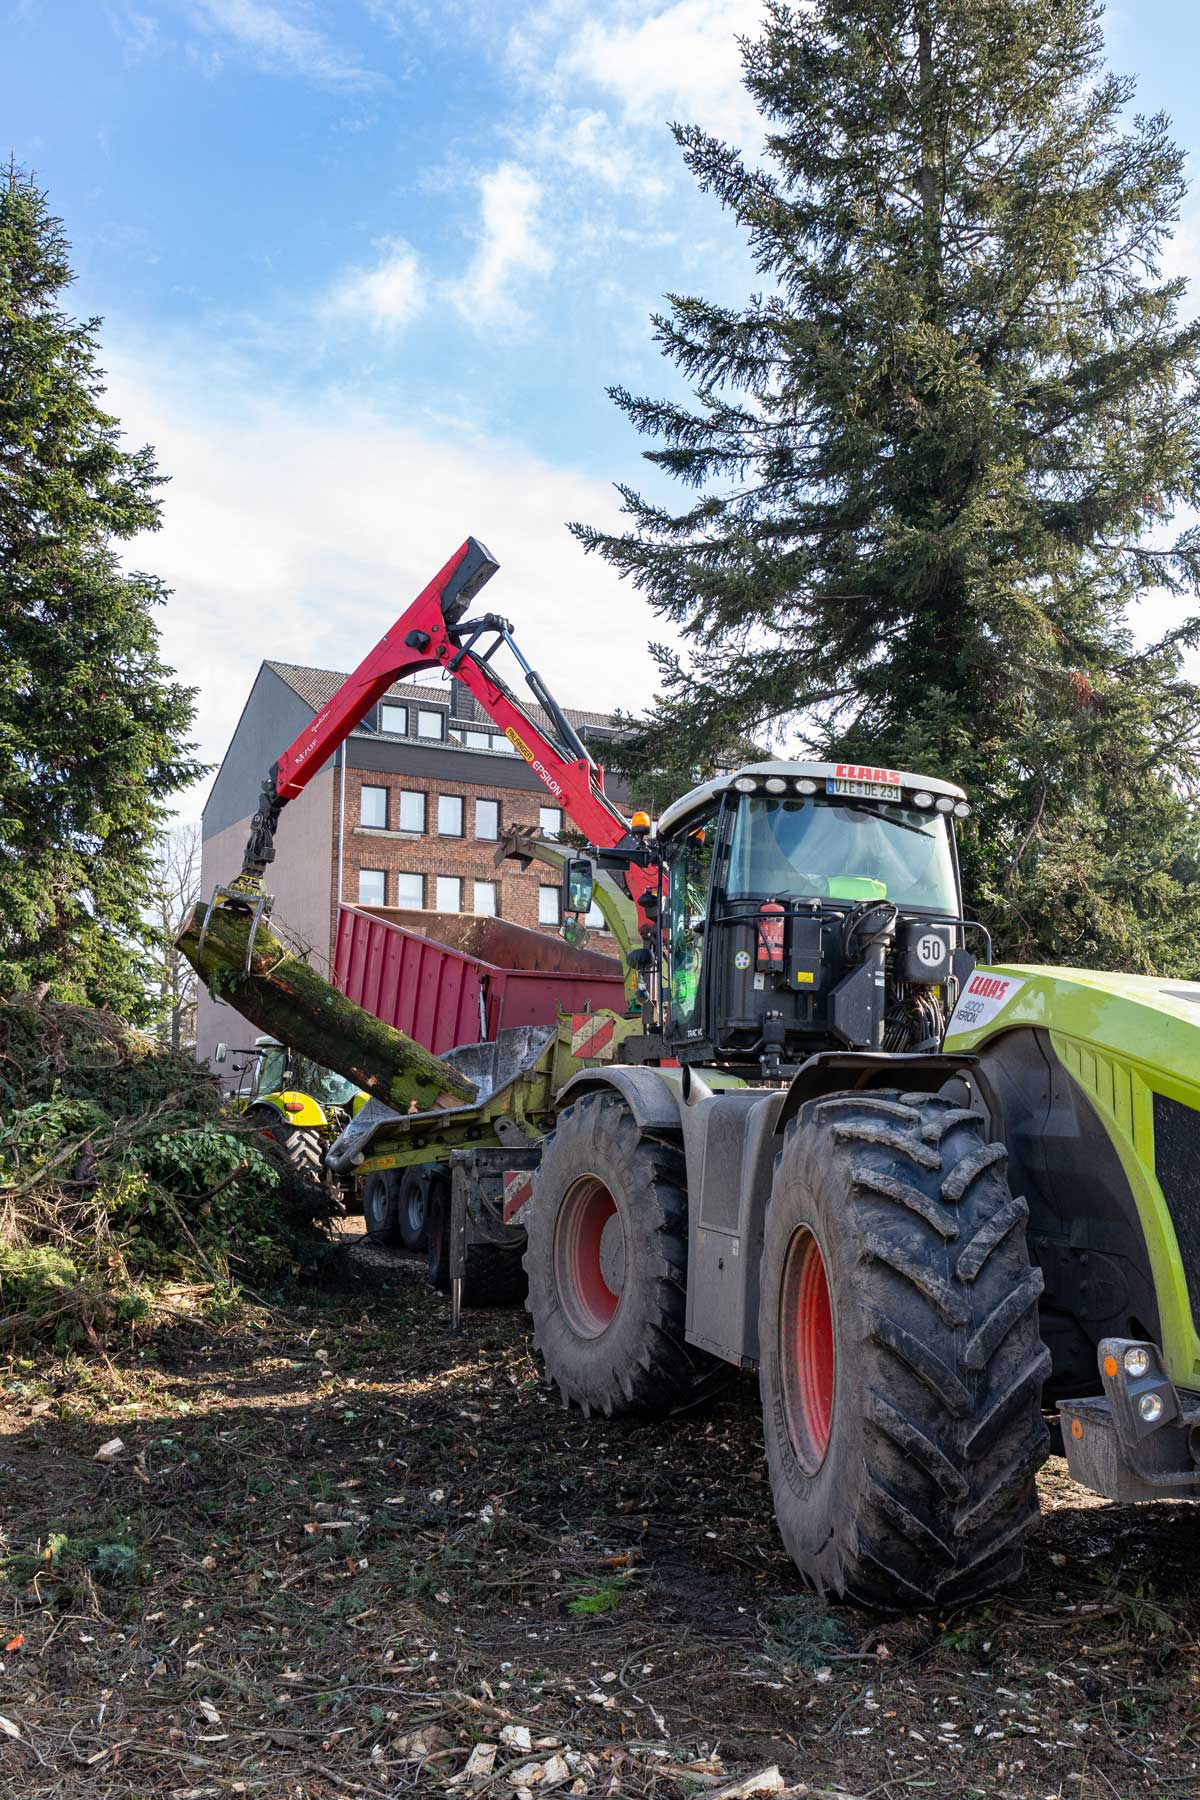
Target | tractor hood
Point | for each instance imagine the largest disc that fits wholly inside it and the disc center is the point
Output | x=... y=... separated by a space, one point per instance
x=1145 y=1019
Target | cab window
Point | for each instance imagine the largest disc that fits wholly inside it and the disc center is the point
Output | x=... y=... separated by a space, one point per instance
x=272 y=1070
x=687 y=899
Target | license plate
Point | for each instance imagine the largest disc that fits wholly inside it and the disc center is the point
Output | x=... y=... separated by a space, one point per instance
x=863 y=790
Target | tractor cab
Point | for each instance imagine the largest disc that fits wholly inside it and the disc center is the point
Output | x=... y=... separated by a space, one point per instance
x=300 y=1091
x=807 y=907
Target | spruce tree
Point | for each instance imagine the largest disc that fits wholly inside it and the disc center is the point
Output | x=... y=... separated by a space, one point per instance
x=934 y=462
x=92 y=728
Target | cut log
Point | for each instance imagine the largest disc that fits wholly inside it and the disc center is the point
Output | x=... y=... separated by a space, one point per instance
x=282 y=995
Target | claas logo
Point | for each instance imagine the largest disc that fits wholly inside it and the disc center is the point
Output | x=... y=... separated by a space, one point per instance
x=860 y=772
x=988 y=987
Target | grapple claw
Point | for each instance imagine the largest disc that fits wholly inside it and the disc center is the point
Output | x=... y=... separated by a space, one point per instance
x=244 y=894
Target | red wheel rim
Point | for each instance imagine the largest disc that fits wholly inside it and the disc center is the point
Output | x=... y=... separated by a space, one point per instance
x=807 y=1359
x=589 y=1257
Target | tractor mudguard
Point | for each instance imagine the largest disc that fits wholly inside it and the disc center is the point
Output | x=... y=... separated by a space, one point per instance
x=653 y=1096
x=1098 y=1076
x=838 y=1071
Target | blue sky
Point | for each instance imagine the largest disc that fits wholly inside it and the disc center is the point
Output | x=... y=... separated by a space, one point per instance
x=366 y=267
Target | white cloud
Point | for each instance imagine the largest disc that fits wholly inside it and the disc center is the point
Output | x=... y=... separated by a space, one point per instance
x=676 y=62
x=281 y=37
x=299 y=528
x=386 y=297
x=138 y=33
x=589 y=143
x=509 y=245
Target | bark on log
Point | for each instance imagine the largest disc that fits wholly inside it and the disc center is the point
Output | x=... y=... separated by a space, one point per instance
x=284 y=996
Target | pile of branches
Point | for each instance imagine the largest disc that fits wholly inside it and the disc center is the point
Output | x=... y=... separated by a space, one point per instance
x=123 y=1179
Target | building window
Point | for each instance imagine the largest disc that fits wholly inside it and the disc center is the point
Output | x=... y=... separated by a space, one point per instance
x=595 y=919
x=479 y=740
x=449 y=893
x=412 y=812
x=450 y=815
x=410 y=892
x=430 y=724
x=372 y=887
x=548 y=906
x=484 y=900
x=500 y=742
x=393 y=718
x=550 y=820
x=372 y=808
x=487 y=820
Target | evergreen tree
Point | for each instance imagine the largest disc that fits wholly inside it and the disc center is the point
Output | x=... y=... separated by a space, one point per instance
x=92 y=728
x=935 y=460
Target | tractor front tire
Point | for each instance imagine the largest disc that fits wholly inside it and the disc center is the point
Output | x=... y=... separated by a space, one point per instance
x=298 y=1145
x=607 y=1264
x=901 y=1368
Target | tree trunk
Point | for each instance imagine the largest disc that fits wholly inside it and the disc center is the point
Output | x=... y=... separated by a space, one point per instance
x=283 y=995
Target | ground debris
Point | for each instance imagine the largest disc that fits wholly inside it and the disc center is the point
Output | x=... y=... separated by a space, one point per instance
x=336 y=1672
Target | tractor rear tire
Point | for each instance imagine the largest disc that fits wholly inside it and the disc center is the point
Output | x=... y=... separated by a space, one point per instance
x=412 y=1209
x=607 y=1264
x=901 y=1368
x=298 y=1145
x=379 y=1206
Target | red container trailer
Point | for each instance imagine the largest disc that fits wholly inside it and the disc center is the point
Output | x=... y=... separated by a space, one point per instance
x=446 y=979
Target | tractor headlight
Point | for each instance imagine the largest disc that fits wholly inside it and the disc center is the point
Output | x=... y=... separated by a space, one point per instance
x=805 y=785
x=1137 y=1361
x=922 y=799
x=961 y=809
x=945 y=804
x=745 y=784
x=1150 y=1406
x=775 y=784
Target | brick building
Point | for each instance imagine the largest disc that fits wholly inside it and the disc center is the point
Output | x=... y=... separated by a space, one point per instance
x=407 y=814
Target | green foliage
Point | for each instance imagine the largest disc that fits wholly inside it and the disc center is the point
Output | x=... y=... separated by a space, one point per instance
x=92 y=727
x=604 y=1599
x=119 y=1172
x=935 y=460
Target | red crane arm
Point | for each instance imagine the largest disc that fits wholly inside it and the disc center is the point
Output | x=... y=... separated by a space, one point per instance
x=431 y=634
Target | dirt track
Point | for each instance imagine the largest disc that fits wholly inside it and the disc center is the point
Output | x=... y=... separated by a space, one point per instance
x=341 y=1548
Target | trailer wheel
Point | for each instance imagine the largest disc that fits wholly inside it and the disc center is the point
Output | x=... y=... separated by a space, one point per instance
x=412 y=1209
x=298 y=1145
x=607 y=1263
x=901 y=1368
x=379 y=1207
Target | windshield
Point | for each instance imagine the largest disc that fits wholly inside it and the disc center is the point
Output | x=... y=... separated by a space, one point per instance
x=328 y=1088
x=841 y=850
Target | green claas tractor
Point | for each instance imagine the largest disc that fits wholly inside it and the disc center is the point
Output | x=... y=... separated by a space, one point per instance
x=297 y=1103
x=931 y=1201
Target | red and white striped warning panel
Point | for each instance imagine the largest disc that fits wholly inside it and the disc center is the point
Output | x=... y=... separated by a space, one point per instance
x=518 y=1192
x=592 y=1036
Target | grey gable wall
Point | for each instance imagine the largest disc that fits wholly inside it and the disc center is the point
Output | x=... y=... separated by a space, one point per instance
x=273 y=715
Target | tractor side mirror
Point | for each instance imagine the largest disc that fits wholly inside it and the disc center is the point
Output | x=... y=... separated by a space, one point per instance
x=578 y=884
x=220 y=1053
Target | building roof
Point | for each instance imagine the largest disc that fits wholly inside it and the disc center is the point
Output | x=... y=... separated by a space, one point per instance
x=318 y=686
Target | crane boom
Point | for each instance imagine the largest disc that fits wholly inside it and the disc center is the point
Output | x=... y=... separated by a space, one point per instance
x=432 y=633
